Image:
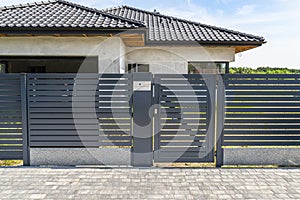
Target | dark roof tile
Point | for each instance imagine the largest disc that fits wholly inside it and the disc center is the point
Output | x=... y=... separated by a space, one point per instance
x=176 y=29
x=61 y=14
x=161 y=28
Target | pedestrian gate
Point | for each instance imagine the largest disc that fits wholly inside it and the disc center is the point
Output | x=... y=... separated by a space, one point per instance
x=184 y=123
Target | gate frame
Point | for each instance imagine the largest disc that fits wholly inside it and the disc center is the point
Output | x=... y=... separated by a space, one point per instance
x=24 y=108
x=211 y=81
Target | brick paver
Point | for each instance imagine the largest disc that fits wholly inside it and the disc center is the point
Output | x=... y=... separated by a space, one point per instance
x=156 y=183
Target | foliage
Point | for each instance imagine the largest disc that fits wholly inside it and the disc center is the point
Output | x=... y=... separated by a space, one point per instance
x=11 y=163
x=263 y=70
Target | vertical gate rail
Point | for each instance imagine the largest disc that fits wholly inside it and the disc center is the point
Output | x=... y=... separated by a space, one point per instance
x=220 y=118
x=26 y=149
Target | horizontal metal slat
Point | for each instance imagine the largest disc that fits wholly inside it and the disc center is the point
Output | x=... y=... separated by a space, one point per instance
x=262 y=127
x=77 y=104
x=262 y=92
x=11 y=130
x=176 y=132
x=64 y=127
x=77 y=144
x=70 y=115
x=262 y=120
x=262 y=87
x=2 y=126
x=264 y=104
x=75 y=99
x=183 y=115
x=10 y=136
x=182 y=144
x=92 y=81
x=256 y=98
x=78 y=138
x=182 y=81
x=165 y=111
x=183 y=93
x=11 y=142
x=262 y=115
x=78 y=111
x=79 y=93
x=184 y=104
x=183 y=126
x=12 y=148
x=11 y=155
x=79 y=121
x=259 y=138
x=262 y=110
x=64 y=144
x=183 y=121
x=79 y=87
x=176 y=137
x=261 y=132
x=262 y=143
x=181 y=149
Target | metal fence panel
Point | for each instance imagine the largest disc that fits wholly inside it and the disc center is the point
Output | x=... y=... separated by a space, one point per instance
x=11 y=142
x=79 y=110
x=262 y=110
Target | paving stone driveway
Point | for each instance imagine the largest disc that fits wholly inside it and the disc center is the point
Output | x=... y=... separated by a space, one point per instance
x=128 y=183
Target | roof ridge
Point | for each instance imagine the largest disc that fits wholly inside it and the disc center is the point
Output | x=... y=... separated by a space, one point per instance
x=187 y=21
x=138 y=23
x=22 y=5
x=99 y=11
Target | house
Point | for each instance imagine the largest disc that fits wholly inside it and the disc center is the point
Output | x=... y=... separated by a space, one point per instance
x=57 y=36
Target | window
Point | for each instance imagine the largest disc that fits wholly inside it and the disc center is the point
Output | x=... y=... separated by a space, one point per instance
x=137 y=68
x=39 y=69
x=2 y=68
x=207 y=67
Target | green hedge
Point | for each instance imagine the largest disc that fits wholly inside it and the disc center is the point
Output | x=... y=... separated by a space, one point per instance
x=263 y=70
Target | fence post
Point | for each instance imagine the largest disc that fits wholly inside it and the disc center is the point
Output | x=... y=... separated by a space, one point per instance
x=142 y=155
x=26 y=153
x=220 y=120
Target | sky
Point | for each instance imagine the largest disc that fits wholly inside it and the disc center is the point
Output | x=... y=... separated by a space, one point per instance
x=278 y=21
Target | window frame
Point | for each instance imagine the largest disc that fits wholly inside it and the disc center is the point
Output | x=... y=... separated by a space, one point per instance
x=136 y=67
x=218 y=62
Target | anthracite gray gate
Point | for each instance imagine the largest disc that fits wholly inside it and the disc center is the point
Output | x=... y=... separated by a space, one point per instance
x=184 y=118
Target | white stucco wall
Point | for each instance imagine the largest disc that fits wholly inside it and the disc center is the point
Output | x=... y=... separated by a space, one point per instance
x=175 y=59
x=108 y=50
x=112 y=53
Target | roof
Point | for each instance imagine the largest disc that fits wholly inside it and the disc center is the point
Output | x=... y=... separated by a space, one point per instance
x=59 y=16
x=163 y=28
x=56 y=14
